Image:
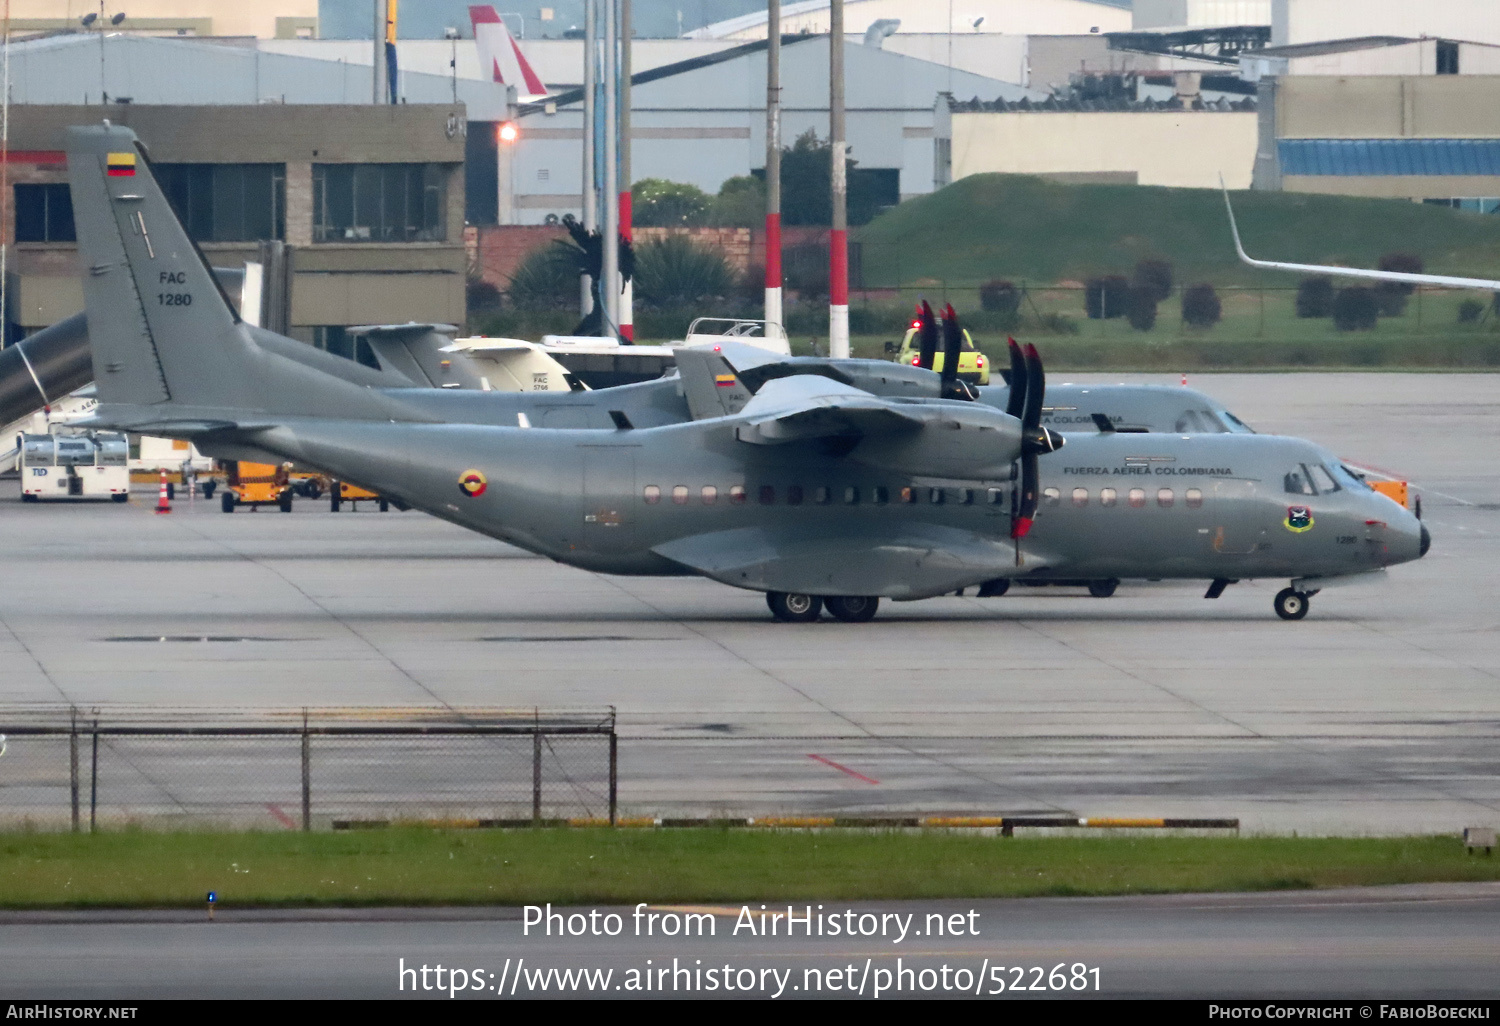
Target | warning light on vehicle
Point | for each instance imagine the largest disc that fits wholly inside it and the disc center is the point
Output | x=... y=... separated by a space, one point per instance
x=509 y=133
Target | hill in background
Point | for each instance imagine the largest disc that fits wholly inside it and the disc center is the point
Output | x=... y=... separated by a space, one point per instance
x=1024 y=228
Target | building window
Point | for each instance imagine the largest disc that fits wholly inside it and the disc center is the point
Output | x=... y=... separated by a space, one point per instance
x=680 y=495
x=1447 y=57
x=710 y=495
x=44 y=213
x=227 y=202
x=652 y=494
x=378 y=202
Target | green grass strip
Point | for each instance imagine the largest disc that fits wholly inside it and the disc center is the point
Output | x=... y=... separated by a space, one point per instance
x=478 y=867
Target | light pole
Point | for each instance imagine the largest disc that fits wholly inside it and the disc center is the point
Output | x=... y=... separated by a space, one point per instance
x=451 y=34
x=838 y=236
x=590 y=116
x=627 y=288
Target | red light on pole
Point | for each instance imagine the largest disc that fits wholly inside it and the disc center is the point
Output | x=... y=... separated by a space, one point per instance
x=509 y=133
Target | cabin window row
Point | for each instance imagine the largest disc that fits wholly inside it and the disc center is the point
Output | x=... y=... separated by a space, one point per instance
x=796 y=495
x=1135 y=498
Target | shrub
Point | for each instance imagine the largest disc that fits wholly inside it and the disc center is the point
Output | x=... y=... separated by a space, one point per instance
x=1315 y=297
x=1106 y=297
x=676 y=271
x=658 y=203
x=546 y=279
x=1469 y=311
x=1200 y=306
x=999 y=297
x=1391 y=298
x=1355 y=309
x=1154 y=277
x=1141 y=308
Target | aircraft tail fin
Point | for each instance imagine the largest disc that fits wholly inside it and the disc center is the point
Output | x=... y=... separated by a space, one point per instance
x=500 y=56
x=161 y=326
x=419 y=351
x=710 y=384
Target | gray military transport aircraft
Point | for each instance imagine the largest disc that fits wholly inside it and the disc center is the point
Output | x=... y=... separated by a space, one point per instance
x=816 y=492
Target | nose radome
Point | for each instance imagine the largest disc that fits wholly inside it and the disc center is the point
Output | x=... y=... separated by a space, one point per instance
x=1426 y=542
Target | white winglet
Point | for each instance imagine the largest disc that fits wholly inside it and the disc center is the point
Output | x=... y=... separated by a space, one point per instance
x=1349 y=272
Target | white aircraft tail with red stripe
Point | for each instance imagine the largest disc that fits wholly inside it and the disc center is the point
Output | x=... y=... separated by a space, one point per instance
x=500 y=57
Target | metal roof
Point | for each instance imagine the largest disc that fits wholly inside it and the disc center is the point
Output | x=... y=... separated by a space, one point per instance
x=1347 y=157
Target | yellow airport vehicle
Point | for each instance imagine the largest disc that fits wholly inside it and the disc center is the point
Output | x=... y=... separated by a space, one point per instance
x=340 y=492
x=972 y=365
x=257 y=484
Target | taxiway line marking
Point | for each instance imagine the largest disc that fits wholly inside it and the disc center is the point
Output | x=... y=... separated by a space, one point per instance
x=842 y=769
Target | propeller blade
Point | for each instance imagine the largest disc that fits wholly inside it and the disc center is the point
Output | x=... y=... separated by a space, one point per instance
x=1017 y=381
x=1027 y=502
x=953 y=344
x=1036 y=387
x=927 y=332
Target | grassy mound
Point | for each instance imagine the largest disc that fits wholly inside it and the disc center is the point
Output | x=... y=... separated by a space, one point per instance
x=1025 y=228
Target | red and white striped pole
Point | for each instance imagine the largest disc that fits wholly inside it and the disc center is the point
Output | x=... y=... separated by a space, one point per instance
x=773 y=165
x=627 y=292
x=838 y=236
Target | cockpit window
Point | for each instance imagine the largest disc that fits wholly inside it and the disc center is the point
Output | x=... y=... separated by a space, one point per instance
x=1296 y=483
x=1235 y=424
x=1351 y=478
x=1322 y=479
x=1189 y=424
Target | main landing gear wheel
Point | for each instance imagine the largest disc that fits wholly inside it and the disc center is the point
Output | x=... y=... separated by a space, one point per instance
x=1291 y=605
x=994 y=589
x=793 y=608
x=226 y=502
x=1104 y=588
x=852 y=608
x=284 y=501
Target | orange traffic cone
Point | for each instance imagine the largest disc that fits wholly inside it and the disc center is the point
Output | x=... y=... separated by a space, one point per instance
x=162 y=505
x=1184 y=379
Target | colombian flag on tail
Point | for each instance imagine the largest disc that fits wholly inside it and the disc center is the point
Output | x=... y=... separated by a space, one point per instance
x=724 y=380
x=120 y=165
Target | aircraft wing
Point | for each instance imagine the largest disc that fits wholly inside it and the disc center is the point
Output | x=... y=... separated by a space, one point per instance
x=921 y=561
x=1351 y=272
x=806 y=407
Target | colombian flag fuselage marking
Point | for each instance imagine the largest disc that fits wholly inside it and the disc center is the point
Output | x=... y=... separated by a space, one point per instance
x=120 y=165
x=724 y=380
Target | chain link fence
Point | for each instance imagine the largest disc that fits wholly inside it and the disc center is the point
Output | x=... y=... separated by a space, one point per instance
x=103 y=768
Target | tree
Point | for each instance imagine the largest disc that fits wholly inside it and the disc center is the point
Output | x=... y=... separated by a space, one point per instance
x=1155 y=277
x=999 y=297
x=741 y=203
x=1391 y=296
x=1200 y=306
x=1355 y=309
x=1140 y=308
x=1106 y=297
x=1315 y=297
x=658 y=203
x=807 y=185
